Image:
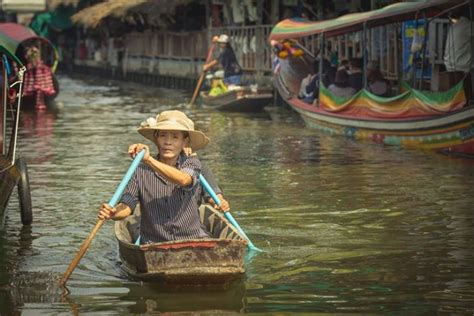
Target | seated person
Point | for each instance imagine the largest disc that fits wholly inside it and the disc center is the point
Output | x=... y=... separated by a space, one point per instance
x=376 y=82
x=165 y=185
x=310 y=85
x=340 y=87
x=355 y=74
x=343 y=65
x=329 y=73
x=304 y=84
x=312 y=90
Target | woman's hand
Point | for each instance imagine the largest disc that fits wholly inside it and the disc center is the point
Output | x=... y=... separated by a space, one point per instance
x=106 y=211
x=225 y=206
x=134 y=149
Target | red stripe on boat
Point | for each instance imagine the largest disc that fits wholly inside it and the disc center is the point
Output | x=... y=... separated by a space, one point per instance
x=199 y=244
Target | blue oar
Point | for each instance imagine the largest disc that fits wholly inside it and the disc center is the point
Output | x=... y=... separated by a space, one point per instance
x=229 y=216
x=113 y=201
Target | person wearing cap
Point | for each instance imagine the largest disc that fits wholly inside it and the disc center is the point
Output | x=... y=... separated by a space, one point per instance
x=166 y=185
x=228 y=61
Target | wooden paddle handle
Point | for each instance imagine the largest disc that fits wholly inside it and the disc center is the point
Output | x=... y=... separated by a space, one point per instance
x=81 y=252
x=198 y=86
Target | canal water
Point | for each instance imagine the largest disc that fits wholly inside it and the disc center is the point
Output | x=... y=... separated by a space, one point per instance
x=346 y=227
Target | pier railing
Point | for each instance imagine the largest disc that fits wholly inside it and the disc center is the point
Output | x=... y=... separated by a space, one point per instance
x=182 y=54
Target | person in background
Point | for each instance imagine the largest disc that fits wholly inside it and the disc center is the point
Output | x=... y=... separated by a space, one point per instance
x=343 y=65
x=341 y=87
x=355 y=74
x=376 y=83
x=166 y=186
x=38 y=82
x=228 y=61
x=329 y=73
x=311 y=91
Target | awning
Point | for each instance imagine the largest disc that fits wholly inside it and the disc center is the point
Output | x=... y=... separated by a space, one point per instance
x=59 y=19
x=13 y=34
x=93 y=15
x=23 y=5
x=349 y=23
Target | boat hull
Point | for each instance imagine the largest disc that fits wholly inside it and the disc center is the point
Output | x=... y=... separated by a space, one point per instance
x=239 y=100
x=197 y=261
x=9 y=177
x=450 y=132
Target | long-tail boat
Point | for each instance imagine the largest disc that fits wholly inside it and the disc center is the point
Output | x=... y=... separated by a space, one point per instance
x=40 y=57
x=411 y=117
x=13 y=168
x=215 y=260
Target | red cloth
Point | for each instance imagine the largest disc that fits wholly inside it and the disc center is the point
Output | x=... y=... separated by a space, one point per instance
x=38 y=82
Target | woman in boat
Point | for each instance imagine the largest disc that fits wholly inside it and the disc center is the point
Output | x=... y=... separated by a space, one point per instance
x=39 y=82
x=340 y=87
x=228 y=61
x=166 y=186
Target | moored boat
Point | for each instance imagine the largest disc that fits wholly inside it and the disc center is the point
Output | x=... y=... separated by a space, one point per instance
x=240 y=99
x=440 y=120
x=40 y=57
x=219 y=259
x=13 y=169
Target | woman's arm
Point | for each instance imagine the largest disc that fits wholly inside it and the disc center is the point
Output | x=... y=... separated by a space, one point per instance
x=210 y=65
x=170 y=173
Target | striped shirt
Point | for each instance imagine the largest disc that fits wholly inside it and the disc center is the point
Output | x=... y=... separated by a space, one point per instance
x=168 y=210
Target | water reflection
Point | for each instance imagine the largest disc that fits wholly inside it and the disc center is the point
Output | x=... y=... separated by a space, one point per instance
x=38 y=127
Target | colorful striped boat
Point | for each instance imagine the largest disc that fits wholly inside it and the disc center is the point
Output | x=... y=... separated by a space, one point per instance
x=440 y=121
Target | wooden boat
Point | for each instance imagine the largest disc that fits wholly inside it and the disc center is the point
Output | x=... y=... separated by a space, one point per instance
x=13 y=169
x=19 y=39
x=440 y=121
x=219 y=259
x=242 y=99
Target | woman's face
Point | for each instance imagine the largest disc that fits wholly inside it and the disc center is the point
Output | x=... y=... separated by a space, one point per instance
x=171 y=143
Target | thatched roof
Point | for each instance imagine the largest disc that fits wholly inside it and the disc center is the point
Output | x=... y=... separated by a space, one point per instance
x=154 y=9
x=53 y=4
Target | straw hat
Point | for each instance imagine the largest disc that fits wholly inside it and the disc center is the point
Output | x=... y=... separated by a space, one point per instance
x=173 y=121
x=223 y=39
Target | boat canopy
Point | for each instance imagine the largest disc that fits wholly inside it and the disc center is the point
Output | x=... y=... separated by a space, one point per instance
x=12 y=35
x=397 y=12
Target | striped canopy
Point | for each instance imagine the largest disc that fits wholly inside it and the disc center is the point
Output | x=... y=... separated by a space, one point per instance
x=13 y=34
x=397 y=12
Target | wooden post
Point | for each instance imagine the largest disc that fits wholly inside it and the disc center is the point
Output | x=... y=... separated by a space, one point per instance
x=364 y=55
